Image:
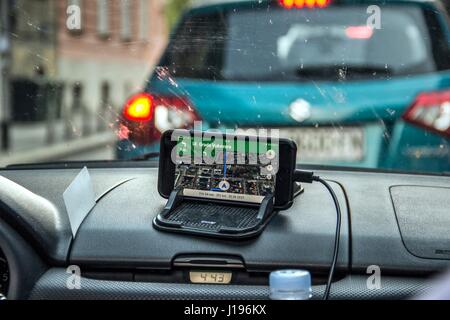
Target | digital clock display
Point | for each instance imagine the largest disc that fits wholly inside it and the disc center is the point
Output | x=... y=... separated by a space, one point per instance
x=210 y=277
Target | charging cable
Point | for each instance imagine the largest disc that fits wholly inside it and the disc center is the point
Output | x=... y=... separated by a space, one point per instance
x=309 y=177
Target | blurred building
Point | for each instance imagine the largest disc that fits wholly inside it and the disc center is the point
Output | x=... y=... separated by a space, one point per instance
x=115 y=48
x=73 y=75
x=33 y=37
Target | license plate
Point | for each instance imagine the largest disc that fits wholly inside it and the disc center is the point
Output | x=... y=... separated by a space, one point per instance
x=327 y=144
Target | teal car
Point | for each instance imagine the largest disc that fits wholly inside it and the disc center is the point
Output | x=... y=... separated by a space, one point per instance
x=353 y=83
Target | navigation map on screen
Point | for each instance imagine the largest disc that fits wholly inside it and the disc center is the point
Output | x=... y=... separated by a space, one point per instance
x=243 y=171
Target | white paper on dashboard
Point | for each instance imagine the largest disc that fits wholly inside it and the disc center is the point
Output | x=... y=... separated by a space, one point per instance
x=79 y=199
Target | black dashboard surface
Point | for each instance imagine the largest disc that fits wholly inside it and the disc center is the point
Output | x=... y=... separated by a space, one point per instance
x=118 y=232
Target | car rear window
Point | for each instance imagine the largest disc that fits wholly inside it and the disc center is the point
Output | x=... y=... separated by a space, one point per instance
x=275 y=44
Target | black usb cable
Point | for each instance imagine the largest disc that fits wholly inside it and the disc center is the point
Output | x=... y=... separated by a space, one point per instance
x=309 y=177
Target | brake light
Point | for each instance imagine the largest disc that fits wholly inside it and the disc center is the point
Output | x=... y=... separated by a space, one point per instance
x=322 y=3
x=299 y=4
x=359 y=32
x=287 y=3
x=431 y=111
x=146 y=117
x=139 y=107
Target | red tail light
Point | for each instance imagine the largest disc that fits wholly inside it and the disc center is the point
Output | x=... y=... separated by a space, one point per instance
x=146 y=117
x=139 y=107
x=299 y=4
x=431 y=111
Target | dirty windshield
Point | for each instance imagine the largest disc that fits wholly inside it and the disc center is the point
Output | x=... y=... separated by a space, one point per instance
x=362 y=84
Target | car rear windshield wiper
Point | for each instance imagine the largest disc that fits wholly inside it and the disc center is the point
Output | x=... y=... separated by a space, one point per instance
x=343 y=71
x=319 y=72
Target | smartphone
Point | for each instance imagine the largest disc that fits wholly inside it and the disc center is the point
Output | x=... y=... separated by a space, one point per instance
x=231 y=168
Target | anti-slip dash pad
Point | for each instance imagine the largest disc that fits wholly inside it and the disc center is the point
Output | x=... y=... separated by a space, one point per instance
x=216 y=219
x=213 y=216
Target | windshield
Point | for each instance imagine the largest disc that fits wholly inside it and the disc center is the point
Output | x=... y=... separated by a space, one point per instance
x=281 y=44
x=353 y=84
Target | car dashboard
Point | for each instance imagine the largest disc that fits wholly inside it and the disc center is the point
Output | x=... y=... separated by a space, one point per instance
x=393 y=226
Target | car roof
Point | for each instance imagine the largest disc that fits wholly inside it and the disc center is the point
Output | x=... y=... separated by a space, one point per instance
x=204 y=3
x=207 y=3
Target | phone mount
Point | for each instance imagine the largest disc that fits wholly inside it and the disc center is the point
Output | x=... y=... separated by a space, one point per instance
x=213 y=218
x=196 y=206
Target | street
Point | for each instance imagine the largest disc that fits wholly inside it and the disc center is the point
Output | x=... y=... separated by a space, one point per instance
x=29 y=143
x=99 y=153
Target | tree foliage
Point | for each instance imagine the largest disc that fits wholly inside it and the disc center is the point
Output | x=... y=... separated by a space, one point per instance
x=174 y=9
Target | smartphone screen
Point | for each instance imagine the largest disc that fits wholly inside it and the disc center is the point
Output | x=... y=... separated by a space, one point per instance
x=243 y=170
